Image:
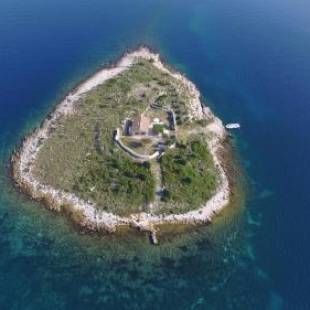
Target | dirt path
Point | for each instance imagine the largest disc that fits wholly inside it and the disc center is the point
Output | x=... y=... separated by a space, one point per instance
x=156 y=172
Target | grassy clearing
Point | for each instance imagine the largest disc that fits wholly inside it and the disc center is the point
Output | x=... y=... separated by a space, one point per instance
x=141 y=146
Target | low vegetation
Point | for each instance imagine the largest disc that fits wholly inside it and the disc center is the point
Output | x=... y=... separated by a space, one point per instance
x=116 y=183
x=189 y=176
x=81 y=157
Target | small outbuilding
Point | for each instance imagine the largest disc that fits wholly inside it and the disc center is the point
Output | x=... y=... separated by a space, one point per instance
x=139 y=125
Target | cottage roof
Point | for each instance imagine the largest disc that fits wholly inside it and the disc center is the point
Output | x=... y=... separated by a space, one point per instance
x=144 y=123
x=141 y=124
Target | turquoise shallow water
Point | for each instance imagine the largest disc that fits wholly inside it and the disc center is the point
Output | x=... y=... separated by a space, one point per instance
x=251 y=61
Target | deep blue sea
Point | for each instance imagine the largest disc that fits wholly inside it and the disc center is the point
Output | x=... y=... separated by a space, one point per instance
x=251 y=61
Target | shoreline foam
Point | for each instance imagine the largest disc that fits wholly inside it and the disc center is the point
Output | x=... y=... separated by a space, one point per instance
x=92 y=218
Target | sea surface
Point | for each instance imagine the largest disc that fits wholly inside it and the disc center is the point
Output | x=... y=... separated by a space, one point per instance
x=251 y=61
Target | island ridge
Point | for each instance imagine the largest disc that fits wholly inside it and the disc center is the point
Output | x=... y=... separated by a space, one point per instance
x=132 y=145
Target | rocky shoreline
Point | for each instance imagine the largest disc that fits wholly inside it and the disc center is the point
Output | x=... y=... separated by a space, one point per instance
x=87 y=214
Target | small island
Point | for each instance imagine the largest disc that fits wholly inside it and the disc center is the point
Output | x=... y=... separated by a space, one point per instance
x=133 y=145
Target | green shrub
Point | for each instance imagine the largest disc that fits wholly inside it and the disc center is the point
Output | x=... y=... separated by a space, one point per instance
x=189 y=174
x=158 y=128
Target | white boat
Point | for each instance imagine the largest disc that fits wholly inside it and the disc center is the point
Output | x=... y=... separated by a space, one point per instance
x=233 y=126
